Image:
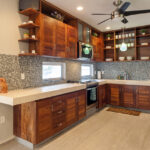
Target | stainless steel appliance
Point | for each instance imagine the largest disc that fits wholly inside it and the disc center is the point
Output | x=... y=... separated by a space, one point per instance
x=85 y=51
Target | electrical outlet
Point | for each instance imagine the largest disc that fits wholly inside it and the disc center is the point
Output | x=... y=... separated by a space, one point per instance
x=22 y=76
x=2 y=119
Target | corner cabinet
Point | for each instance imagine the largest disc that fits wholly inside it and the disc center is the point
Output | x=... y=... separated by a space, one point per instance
x=39 y=120
x=56 y=38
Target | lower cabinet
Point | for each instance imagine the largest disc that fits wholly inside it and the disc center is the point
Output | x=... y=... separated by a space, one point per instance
x=114 y=94
x=102 y=101
x=143 y=97
x=39 y=120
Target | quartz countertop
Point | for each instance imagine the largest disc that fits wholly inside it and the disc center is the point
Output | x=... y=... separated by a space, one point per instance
x=21 y=96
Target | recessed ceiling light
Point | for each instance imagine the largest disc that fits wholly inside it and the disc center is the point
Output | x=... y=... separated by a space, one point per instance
x=79 y=8
x=108 y=28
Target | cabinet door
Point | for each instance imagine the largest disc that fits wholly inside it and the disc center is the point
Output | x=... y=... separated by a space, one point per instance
x=44 y=120
x=71 y=108
x=114 y=97
x=128 y=96
x=71 y=42
x=80 y=31
x=143 y=97
x=47 y=35
x=60 y=45
x=81 y=97
x=87 y=34
x=101 y=96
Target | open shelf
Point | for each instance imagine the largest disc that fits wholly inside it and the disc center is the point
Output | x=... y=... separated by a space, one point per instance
x=109 y=40
x=146 y=35
x=126 y=38
x=109 y=48
x=29 y=40
x=29 y=26
x=28 y=54
x=143 y=46
x=29 y=12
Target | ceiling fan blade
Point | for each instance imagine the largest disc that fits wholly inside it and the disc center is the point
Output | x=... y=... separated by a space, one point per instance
x=136 y=12
x=123 y=8
x=104 y=21
x=101 y=14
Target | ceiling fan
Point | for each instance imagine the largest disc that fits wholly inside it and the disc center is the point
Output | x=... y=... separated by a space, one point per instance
x=121 y=12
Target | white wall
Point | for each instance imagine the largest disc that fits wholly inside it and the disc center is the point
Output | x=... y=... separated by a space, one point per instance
x=9 y=35
x=9 y=31
x=6 y=129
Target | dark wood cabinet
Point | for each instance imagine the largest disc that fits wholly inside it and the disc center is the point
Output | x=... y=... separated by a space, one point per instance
x=128 y=97
x=71 y=49
x=114 y=94
x=39 y=120
x=97 y=48
x=60 y=41
x=143 y=97
x=46 y=34
x=102 y=96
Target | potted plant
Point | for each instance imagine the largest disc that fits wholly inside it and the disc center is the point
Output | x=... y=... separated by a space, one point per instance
x=108 y=36
x=143 y=31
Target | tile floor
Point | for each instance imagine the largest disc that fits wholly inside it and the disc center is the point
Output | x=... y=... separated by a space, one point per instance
x=103 y=131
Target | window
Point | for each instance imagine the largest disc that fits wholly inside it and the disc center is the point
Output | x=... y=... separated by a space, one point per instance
x=87 y=70
x=53 y=70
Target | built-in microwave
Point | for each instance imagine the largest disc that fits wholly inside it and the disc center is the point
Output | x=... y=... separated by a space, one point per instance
x=85 y=51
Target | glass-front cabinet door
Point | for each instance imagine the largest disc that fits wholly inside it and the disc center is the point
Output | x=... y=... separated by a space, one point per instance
x=88 y=33
x=80 y=31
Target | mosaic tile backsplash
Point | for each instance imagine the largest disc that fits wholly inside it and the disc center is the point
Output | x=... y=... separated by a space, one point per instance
x=139 y=70
x=11 y=68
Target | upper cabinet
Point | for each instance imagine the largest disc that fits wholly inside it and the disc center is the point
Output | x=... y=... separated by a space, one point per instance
x=84 y=32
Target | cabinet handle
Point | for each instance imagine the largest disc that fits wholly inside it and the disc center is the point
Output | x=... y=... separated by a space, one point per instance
x=60 y=112
x=59 y=125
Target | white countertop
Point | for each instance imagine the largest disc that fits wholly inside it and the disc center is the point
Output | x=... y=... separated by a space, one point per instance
x=16 y=97
x=21 y=96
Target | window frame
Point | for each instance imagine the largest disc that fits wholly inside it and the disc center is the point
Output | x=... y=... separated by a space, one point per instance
x=91 y=70
x=63 y=70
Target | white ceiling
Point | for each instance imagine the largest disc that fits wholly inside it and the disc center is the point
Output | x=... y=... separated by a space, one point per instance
x=104 y=6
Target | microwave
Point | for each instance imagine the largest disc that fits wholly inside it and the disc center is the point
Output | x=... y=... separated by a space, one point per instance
x=85 y=51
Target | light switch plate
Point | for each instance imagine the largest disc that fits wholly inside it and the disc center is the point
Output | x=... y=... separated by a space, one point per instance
x=22 y=76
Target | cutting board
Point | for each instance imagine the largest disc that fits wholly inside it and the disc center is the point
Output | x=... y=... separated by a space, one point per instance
x=3 y=86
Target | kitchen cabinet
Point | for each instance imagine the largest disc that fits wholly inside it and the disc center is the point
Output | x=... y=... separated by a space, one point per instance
x=39 y=120
x=114 y=94
x=101 y=96
x=84 y=33
x=46 y=34
x=97 y=48
x=56 y=38
x=71 y=42
x=128 y=96
x=60 y=41
x=143 y=97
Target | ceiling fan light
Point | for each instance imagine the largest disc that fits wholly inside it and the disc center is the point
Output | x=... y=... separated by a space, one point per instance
x=123 y=47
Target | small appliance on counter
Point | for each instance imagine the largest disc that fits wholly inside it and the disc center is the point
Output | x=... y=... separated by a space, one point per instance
x=99 y=75
x=85 y=51
x=3 y=86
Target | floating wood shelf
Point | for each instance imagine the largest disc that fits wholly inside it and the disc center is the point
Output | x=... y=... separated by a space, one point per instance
x=29 y=26
x=108 y=48
x=146 y=35
x=29 y=40
x=109 y=40
x=28 y=54
x=29 y=12
x=143 y=46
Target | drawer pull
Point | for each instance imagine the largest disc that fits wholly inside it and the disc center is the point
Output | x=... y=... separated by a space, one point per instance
x=60 y=112
x=59 y=125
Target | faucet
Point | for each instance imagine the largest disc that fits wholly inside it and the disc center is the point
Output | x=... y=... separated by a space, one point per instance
x=123 y=75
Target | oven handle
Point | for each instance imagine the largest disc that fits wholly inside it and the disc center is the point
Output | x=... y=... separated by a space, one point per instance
x=88 y=89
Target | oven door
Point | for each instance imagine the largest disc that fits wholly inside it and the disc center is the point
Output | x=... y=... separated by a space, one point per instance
x=91 y=95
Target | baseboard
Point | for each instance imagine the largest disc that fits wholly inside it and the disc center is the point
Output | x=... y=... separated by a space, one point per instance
x=7 y=140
